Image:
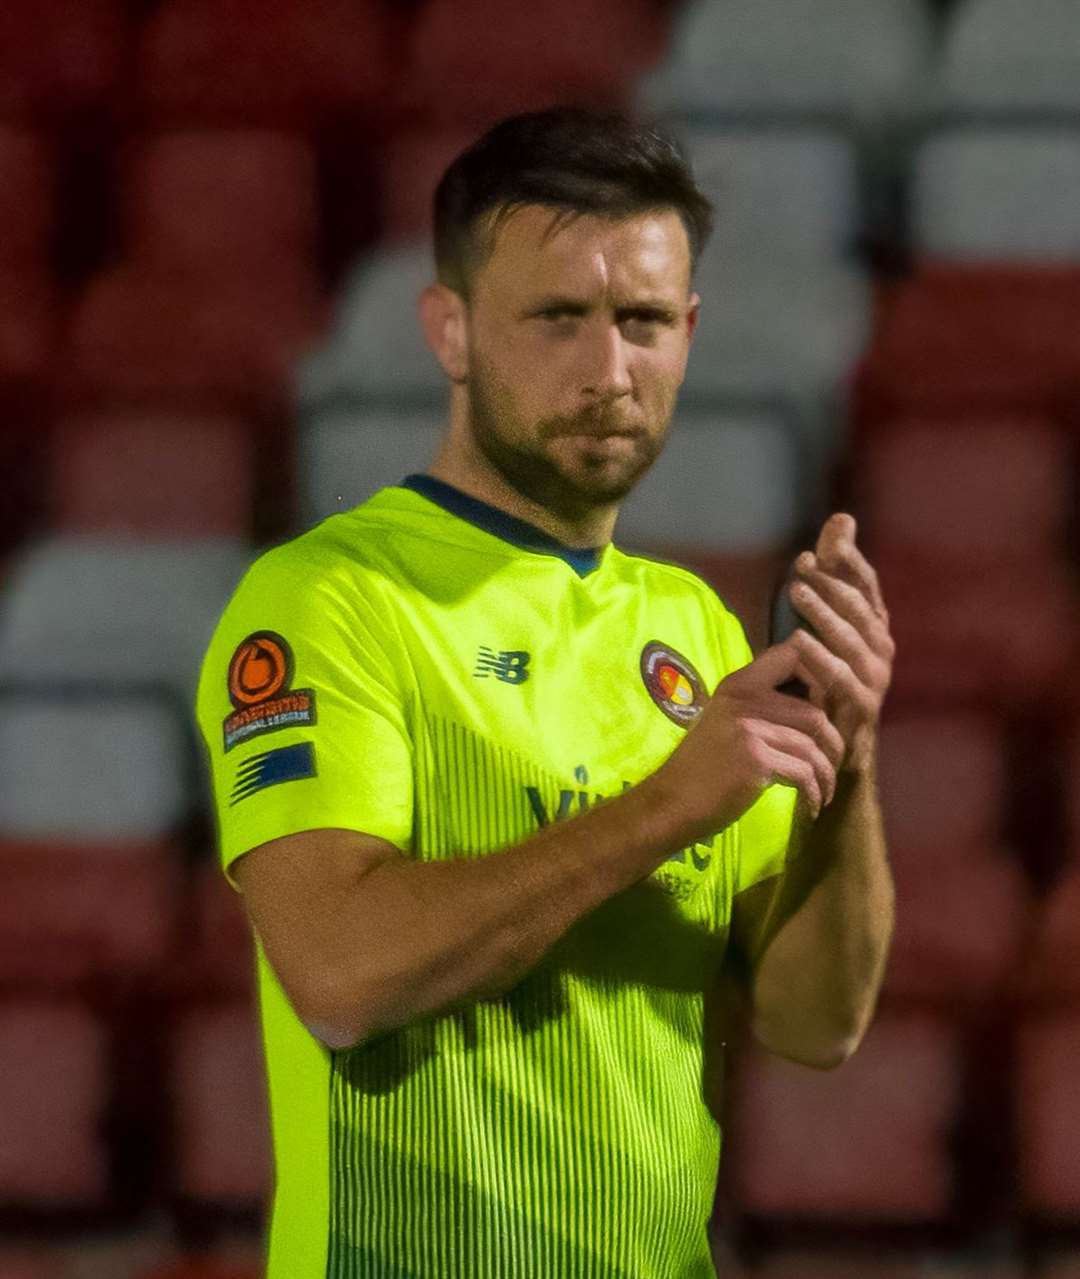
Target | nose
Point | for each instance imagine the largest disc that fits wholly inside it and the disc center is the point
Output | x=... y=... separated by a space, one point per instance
x=607 y=368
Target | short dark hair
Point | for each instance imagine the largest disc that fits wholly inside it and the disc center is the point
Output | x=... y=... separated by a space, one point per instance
x=567 y=158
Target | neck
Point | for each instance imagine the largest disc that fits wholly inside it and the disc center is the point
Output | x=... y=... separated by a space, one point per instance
x=460 y=463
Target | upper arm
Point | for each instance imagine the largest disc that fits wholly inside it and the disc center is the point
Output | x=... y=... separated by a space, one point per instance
x=304 y=706
x=294 y=888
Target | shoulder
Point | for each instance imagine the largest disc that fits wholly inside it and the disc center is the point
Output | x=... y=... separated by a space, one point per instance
x=670 y=580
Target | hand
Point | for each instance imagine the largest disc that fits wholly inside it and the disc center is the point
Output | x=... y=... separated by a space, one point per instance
x=849 y=666
x=749 y=736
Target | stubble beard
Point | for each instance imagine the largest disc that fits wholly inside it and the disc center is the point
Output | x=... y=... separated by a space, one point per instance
x=533 y=470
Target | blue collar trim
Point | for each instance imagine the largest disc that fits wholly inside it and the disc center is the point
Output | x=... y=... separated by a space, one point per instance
x=492 y=520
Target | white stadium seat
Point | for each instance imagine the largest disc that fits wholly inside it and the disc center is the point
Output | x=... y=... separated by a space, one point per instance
x=725 y=483
x=788 y=193
x=857 y=62
x=91 y=769
x=1006 y=195
x=377 y=347
x=86 y=608
x=769 y=329
x=348 y=453
x=1011 y=55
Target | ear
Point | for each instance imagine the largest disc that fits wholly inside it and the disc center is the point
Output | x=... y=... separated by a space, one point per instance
x=692 y=313
x=444 y=319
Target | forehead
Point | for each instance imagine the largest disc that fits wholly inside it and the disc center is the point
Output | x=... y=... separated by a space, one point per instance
x=543 y=250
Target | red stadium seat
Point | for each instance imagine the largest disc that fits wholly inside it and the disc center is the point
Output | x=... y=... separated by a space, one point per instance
x=1052 y=968
x=221 y=1119
x=1062 y=1264
x=69 y=911
x=942 y=773
x=947 y=653
x=477 y=60
x=245 y=62
x=1047 y=1105
x=217 y=957
x=27 y=192
x=1071 y=780
x=59 y=58
x=961 y=339
x=30 y=1263
x=878 y=1264
x=28 y=327
x=151 y=339
x=255 y=192
x=206 y=1268
x=963 y=919
x=153 y=474
x=985 y=489
x=53 y=1093
x=412 y=164
x=867 y=1142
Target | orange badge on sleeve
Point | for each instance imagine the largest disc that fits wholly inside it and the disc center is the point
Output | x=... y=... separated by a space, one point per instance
x=260 y=673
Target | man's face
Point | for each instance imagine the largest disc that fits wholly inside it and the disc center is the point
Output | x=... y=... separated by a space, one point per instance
x=578 y=341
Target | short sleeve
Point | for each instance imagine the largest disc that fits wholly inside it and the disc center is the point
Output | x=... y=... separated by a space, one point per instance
x=765 y=828
x=303 y=706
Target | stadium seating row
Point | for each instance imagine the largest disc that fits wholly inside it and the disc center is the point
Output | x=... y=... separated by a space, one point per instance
x=298 y=63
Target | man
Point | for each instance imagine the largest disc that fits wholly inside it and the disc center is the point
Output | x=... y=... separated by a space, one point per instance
x=500 y=848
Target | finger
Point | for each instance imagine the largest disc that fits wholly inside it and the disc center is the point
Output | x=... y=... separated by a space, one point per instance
x=837 y=553
x=857 y=620
x=836 y=679
x=796 y=761
x=794 y=712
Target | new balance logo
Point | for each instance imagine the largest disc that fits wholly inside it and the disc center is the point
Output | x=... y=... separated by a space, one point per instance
x=507 y=666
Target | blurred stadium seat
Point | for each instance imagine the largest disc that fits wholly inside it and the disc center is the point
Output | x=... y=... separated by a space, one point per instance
x=944 y=653
x=961 y=338
x=113 y=611
x=217 y=1085
x=1008 y=56
x=61 y=58
x=963 y=920
x=28 y=322
x=154 y=475
x=96 y=770
x=376 y=347
x=727 y=482
x=217 y=958
x=1047 y=1104
x=942 y=778
x=782 y=193
x=1007 y=194
x=345 y=455
x=477 y=60
x=778 y=328
x=867 y=1142
x=986 y=489
x=412 y=162
x=771 y=58
x=255 y=192
x=29 y=1263
x=881 y=1263
x=53 y=1095
x=1051 y=973
x=86 y=908
x=142 y=338
x=241 y=62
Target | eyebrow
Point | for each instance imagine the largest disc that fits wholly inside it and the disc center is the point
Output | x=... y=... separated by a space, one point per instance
x=578 y=306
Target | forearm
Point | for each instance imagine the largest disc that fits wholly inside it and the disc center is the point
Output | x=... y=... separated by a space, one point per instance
x=825 y=943
x=441 y=933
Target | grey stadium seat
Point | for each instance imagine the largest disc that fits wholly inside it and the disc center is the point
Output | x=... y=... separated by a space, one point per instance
x=727 y=482
x=347 y=453
x=84 y=609
x=377 y=347
x=778 y=192
x=860 y=62
x=91 y=769
x=1011 y=55
x=1008 y=194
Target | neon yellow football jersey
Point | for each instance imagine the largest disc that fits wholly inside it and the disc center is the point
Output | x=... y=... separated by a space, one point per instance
x=433 y=671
